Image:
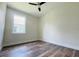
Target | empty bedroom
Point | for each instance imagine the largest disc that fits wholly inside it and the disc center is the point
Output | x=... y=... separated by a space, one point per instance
x=39 y=29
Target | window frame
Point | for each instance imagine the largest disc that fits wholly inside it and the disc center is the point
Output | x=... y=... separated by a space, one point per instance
x=13 y=24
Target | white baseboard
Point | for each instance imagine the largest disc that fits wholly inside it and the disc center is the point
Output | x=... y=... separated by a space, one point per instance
x=17 y=43
x=66 y=44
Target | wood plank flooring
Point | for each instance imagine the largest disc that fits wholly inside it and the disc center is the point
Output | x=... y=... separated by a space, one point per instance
x=38 y=49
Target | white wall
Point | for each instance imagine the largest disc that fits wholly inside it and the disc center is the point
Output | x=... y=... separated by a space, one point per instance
x=2 y=21
x=61 y=26
x=31 y=29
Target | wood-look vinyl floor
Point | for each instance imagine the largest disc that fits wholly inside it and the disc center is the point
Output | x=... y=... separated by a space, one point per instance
x=38 y=49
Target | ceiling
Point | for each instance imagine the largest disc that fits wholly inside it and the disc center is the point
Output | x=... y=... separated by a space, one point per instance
x=33 y=10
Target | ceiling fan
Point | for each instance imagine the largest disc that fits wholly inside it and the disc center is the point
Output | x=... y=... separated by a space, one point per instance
x=38 y=4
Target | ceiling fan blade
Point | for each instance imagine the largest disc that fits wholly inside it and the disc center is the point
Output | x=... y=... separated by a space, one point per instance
x=32 y=4
x=42 y=3
x=39 y=8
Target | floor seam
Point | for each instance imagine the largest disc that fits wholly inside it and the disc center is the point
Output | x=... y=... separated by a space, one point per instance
x=46 y=52
x=56 y=52
x=73 y=53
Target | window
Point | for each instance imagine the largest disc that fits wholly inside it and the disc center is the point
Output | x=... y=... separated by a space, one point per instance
x=18 y=24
